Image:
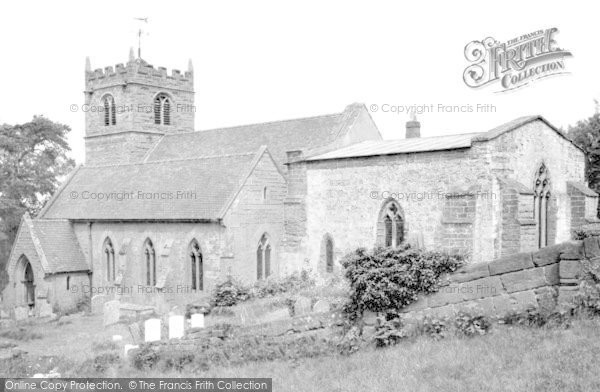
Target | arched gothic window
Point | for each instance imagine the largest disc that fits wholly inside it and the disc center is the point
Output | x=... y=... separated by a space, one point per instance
x=541 y=197
x=391 y=225
x=110 y=110
x=162 y=110
x=263 y=258
x=196 y=264
x=150 y=257
x=109 y=259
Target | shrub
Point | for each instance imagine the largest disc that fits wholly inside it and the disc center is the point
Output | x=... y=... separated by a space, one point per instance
x=292 y=283
x=434 y=327
x=389 y=330
x=104 y=361
x=471 y=325
x=229 y=293
x=387 y=278
x=535 y=318
x=588 y=297
x=585 y=232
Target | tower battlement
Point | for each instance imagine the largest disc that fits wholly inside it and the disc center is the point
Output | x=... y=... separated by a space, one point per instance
x=139 y=71
x=129 y=105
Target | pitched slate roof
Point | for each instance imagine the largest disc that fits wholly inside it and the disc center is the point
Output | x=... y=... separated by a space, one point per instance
x=178 y=189
x=435 y=143
x=280 y=137
x=399 y=146
x=57 y=245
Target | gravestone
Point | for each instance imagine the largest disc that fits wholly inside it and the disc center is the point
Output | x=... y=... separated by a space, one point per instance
x=322 y=306
x=97 y=303
x=21 y=313
x=45 y=309
x=129 y=347
x=152 y=330
x=111 y=312
x=136 y=332
x=302 y=306
x=176 y=326
x=197 y=320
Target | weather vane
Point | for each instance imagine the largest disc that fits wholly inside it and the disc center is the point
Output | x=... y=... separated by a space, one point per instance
x=139 y=33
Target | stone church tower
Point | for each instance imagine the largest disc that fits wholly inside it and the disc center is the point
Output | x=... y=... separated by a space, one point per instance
x=130 y=107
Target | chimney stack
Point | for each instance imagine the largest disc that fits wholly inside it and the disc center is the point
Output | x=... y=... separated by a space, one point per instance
x=413 y=127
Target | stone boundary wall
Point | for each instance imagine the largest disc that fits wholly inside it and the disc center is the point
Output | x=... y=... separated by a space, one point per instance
x=543 y=280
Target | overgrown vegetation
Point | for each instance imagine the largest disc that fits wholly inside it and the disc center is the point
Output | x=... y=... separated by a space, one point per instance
x=588 y=298
x=233 y=291
x=389 y=279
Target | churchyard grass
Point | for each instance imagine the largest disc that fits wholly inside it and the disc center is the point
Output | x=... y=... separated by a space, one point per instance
x=509 y=358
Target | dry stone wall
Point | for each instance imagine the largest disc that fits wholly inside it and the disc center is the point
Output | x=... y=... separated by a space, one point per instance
x=545 y=280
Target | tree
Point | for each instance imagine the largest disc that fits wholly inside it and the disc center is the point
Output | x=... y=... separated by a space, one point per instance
x=586 y=134
x=33 y=159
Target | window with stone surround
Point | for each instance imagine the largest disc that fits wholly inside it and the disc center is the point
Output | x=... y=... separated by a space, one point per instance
x=109 y=259
x=150 y=258
x=162 y=109
x=263 y=257
x=541 y=197
x=197 y=267
x=390 y=226
x=110 y=110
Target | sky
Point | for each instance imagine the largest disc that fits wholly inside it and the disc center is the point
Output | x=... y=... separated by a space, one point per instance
x=272 y=60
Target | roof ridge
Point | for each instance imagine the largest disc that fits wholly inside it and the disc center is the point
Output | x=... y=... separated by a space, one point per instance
x=173 y=160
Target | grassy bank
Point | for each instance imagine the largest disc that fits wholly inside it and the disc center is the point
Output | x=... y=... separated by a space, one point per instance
x=507 y=359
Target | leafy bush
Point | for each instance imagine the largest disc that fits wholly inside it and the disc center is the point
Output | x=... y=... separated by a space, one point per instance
x=292 y=283
x=389 y=330
x=535 y=318
x=585 y=232
x=229 y=293
x=470 y=325
x=434 y=327
x=588 y=298
x=387 y=278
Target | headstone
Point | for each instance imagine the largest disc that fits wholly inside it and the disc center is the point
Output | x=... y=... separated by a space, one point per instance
x=279 y=314
x=129 y=347
x=21 y=313
x=176 y=327
x=322 y=306
x=303 y=305
x=45 y=309
x=152 y=330
x=111 y=312
x=197 y=320
x=97 y=303
x=117 y=338
x=135 y=331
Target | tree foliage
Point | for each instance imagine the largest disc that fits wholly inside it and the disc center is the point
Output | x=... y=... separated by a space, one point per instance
x=586 y=134
x=33 y=159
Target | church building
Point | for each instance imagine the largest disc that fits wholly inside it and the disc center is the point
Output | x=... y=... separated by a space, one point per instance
x=162 y=212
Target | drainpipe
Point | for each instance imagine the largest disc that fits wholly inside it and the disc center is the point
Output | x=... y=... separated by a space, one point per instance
x=91 y=254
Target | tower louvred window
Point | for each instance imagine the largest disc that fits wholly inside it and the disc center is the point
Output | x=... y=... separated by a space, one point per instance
x=162 y=110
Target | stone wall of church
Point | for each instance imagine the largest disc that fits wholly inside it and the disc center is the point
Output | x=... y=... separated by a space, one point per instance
x=256 y=211
x=518 y=155
x=344 y=199
x=171 y=243
x=484 y=217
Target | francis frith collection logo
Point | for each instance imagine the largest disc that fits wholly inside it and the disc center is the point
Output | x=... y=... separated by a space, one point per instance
x=516 y=62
